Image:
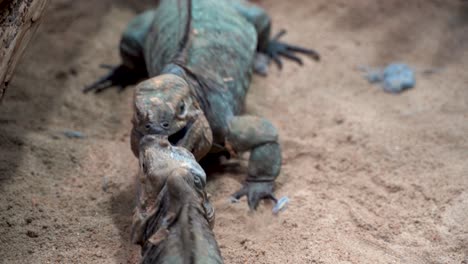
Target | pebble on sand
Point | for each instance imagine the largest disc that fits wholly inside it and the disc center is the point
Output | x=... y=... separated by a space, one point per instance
x=73 y=134
x=395 y=78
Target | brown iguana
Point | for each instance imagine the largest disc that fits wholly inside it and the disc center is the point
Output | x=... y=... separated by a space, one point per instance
x=199 y=55
x=173 y=219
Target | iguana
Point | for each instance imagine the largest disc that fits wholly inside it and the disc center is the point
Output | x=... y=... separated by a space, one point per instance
x=174 y=218
x=199 y=56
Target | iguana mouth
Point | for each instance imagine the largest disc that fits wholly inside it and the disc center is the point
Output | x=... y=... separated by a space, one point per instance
x=179 y=135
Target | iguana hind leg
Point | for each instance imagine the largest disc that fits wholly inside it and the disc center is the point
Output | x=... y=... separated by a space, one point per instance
x=260 y=137
x=133 y=67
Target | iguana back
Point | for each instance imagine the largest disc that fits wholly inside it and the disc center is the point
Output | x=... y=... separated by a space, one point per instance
x=214 y=42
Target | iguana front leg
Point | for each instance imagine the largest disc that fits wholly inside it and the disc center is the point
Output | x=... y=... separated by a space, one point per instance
x=272 y=47
x=260 y=137
x=277 y=49
x=133 y=67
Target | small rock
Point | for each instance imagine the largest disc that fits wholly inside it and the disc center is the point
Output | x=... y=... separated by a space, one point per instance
x=281 y=205
x=374 y=76
x=105 y=183
x=32 y=234
x=73 y=159
x=61 y=75
x=338 y=120
x=395 y=78
x=73 y=71
x=73 y=134
x=398 y=77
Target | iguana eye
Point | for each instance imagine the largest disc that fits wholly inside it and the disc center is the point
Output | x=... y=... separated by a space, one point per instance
x=199 y=183
x=199 y=177
x=181 y=110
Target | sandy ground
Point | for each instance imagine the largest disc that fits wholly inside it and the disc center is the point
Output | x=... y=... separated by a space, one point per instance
x=372 y=177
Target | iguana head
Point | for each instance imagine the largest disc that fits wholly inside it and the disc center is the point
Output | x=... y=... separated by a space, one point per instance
x=163 y=164
x=174 y=218
x=164 y=105
x=174 y=185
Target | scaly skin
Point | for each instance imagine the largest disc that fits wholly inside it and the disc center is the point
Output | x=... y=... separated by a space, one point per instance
x=200 y=55
x=173 y=219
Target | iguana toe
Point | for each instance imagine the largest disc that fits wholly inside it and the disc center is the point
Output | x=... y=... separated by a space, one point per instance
x=120 y=76
x=277 y=49
x=255 y=192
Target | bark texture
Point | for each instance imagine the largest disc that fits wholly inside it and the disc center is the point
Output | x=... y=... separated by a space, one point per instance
x=19 y=20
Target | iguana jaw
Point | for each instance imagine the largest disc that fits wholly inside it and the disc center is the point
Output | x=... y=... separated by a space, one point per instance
x=175 y=138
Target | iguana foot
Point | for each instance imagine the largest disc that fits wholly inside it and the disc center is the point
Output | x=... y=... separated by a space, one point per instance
x=120 y=76
x=256 y=191
x=277 y=49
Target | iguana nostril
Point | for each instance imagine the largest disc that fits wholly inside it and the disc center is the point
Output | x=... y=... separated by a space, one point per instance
x=165 y=125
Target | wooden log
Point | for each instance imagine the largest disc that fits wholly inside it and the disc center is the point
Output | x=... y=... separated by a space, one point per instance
x=19 y=20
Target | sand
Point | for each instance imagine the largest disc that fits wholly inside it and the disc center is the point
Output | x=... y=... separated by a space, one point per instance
x=372 y=177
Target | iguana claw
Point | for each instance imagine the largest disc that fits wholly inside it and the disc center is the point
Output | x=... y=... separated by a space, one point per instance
x=255 y=191
x=120 y=76
x=277 y=49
